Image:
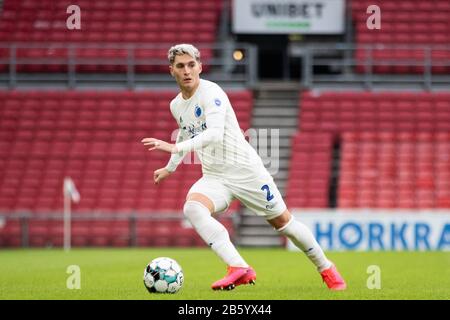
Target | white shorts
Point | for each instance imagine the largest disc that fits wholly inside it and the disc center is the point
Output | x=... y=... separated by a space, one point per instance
x=261 y=195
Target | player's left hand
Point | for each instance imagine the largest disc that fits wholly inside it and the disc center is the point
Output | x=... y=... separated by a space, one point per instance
x=156 y=144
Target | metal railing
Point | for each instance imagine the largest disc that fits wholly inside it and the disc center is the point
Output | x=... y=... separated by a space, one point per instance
x=368 y=65
x=129 y=66
x=133 y=237
x=349 y=64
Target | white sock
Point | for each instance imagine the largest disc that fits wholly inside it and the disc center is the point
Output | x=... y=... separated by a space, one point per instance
x=213 y=233
x=302 y=237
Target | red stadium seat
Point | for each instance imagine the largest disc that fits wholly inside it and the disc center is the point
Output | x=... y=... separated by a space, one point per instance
x=425 y=26
x=135 y=23
x=389 y=140
x=69 y=133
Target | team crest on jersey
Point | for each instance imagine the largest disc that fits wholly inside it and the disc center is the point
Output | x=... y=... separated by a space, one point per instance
x=217 y=102
x=198 y=111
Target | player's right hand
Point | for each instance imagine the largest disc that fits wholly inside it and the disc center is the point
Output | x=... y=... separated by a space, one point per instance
x=160 y=175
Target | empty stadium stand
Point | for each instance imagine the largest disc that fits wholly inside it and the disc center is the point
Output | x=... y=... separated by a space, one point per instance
x=416 y=25
x=354 y=149
x=394 y=150
x=309 y=172
x=94 y=138
x=134 y=23
x=395 y=170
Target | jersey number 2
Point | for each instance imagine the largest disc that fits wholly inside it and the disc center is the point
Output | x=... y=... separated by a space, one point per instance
x=269 y=195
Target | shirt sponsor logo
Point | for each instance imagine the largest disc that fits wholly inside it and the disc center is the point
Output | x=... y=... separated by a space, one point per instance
x=195 y=128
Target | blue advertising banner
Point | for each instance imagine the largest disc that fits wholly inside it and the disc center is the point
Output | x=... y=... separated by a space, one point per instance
x=368 y=230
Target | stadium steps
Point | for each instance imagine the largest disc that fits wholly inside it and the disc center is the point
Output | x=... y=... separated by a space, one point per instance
x=275 y=107
x=334 y=177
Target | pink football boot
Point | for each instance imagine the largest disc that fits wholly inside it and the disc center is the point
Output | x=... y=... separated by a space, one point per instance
x=333 y=279
x=228 y=282
x=248 y=278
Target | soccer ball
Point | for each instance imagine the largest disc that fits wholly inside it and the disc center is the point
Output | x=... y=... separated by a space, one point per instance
x=163 y=275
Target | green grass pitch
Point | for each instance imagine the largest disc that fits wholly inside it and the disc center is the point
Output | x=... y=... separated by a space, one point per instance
x=281 y=275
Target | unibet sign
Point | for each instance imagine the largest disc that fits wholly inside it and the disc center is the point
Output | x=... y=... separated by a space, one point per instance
x=288 y=16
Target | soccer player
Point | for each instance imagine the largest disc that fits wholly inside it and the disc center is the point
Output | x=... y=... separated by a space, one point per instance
x=231 y=168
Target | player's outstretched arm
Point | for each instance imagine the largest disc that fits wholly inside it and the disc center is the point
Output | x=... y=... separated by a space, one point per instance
x=160 y=175
x=156 y=144
x=174 y=160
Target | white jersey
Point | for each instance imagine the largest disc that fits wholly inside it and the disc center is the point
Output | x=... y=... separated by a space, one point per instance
x=208 y=126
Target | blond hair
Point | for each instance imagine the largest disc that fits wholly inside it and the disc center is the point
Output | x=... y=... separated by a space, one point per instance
x=183 y=48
